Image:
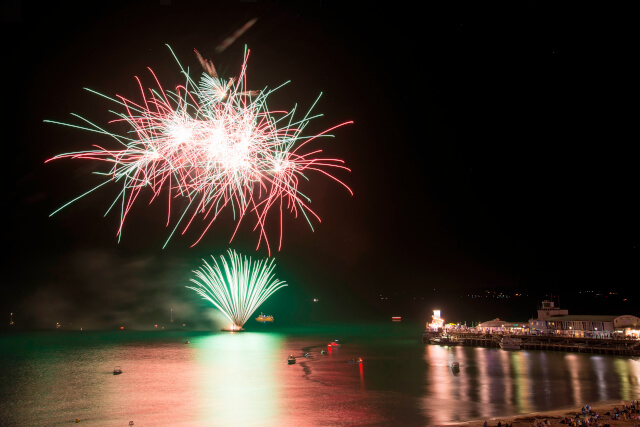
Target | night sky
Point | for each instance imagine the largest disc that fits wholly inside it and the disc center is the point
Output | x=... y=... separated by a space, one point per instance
x=492 y=150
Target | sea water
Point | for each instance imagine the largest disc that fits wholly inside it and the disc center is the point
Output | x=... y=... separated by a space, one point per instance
x=243 y=379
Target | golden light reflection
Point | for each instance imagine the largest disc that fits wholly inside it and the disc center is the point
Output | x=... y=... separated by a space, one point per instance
x=573 y=367
x=621 y=367
x=546 y=377
x=505 y=363
x=460 y=386
x=439 y=378
x=478 y=383
x=484 y=380
x=522 y=390
x=634 y=377
x=600 y=369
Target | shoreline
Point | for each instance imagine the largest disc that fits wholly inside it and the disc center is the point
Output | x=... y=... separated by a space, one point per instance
x=555 y=416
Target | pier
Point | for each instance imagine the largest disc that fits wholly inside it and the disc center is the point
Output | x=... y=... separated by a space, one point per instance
x=551 y=342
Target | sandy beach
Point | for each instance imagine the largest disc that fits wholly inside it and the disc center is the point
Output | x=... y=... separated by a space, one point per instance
x=555 y=417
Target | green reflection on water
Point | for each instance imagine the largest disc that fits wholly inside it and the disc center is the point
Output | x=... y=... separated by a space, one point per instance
x=239 y=384
x=520 y=364
x=628 y=371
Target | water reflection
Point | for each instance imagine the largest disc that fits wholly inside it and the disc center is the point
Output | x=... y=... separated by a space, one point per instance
x=238 y=378
x=628 y=372
x=505 y=362
x=634 y=377
x=574 y=369
x=520 y=365
x=456 y=396
x=599 y=366
x=494 y=382
x=53 y=379
x=243 y=379
x=482 y=359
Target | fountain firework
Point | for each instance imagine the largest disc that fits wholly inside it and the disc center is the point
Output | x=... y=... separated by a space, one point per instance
x=238 y=286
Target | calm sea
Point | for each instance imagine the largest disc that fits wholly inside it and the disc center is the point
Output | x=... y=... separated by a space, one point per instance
x=243 y=379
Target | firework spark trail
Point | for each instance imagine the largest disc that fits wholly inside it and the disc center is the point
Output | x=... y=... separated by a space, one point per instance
x=237 y=287
x=215 y=144
x=235 y=36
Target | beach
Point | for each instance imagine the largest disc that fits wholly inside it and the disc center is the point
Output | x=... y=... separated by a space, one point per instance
x=558 y=416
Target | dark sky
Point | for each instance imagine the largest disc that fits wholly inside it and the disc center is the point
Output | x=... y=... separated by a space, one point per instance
x=491 y=149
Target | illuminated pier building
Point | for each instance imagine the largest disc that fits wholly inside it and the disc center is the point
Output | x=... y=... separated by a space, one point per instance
x=551 y=320
x=554 y=320
x=557 y=321
x=500 y=326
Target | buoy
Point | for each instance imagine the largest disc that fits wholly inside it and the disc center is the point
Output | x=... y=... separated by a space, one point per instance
x=77 y=420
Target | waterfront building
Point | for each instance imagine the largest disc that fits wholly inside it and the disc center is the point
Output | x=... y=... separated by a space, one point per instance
x=545 y=311
x=594 y=326
x=497 y=326
x=557 y=321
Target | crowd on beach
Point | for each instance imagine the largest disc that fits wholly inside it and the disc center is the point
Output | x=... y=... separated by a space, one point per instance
x=590 y=418
x=499 y=424
x=623 y=415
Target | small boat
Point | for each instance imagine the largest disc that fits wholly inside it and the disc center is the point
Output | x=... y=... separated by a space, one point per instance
x=117 y=370
x=355 y=361
x=323 y=352
x=455 y=367
x=333 y=344
x=509 y=343
x=291 y=359
x=187 y=342
x=262 y=318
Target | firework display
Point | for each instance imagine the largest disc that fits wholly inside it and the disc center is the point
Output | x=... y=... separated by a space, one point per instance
x=213 y=145
x=238 y=286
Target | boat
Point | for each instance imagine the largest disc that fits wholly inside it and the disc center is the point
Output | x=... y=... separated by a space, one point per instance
x=455 y=367
x=333 y=344
x=291 y=359
x=355 y=361
x=509 y=343
x=444 y=340
x=264 y=319
x=187 y=342
x=117 y=370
